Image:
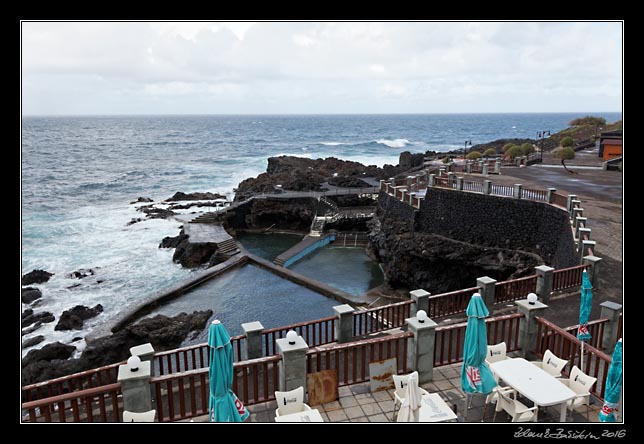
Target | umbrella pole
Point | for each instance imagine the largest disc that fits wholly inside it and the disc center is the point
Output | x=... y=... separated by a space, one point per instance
x=581 y=357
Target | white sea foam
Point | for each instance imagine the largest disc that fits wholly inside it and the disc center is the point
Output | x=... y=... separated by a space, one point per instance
x=333 y=143
x=395 y=143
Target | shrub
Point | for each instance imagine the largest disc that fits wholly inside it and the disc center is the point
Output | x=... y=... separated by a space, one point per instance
x=514 y=151
x=567 y=142
x=489 y=152
x=507 y=146
x=527 y=148
x=446 y=159
x=588 y=120
x=473 y=155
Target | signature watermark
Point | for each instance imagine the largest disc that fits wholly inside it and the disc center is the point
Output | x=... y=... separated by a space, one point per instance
x=561 y=433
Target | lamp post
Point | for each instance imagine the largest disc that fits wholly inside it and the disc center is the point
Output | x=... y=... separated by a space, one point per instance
x=467 y=142
x=540 y=136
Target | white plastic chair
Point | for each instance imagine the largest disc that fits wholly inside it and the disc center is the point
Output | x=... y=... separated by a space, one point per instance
x=551 y=363
x=496 y=353
x=290 y=402
x=400 y=382
x=139 y=417
x=492 y=398
x=580 y=383
x=507 y=400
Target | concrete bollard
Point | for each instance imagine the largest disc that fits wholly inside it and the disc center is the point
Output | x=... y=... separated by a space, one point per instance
x=487 y=186
x=421 y=301
x=484 y=169
x=571 y=197
x=292 y=367
x=593 y=270
x=420 y=354
x=253 y=332
x=431 y=181
x=459 y=183
x=497 y=167
x=610 y=310
x=517 y=191
x=544 y=282
x=528 y=326
x=344 y=324
x=487 y=287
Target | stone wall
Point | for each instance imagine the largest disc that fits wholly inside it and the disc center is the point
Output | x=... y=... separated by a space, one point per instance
x=499 y=222
x=389 y=206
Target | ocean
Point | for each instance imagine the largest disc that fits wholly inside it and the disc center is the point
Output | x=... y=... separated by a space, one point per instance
x=79 y=175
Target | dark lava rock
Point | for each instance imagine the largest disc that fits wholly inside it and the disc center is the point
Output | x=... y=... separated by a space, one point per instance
x=348 y=182
x=191 y=255
x=156 y=213
x=54 y=350
x=33 y=341
x=29 y=317
x=162 y=332
x=36 y=277
x=173 y=242
x=81 y=273
x=30 y=294
x=134 y=220
x=142 y=199
x=73 y=319
x=194 y=196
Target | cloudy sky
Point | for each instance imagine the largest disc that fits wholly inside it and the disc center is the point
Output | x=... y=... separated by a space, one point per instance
x=311 y=67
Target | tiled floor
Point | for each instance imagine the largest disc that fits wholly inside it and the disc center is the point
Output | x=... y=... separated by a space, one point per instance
x=357 y=404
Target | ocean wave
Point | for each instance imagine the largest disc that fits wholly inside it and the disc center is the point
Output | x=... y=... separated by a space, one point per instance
x=395 y=143
x=333 y=143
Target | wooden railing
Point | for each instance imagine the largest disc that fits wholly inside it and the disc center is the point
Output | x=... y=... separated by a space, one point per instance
x=514 y=289
x=186 y=395
x=567 y=277
x=314 y=333
x=76 y=382
x=567 y=346
x=532 y=194
x=445 y=304
x=596 y=330
x=192 y=357
x=351 y=360
x=559 y=200
x=449 y=340
x=380 y=318
x=97 y=404
x=502 y=190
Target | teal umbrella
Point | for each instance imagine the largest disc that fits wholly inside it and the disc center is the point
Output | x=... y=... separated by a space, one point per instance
x=613 y=386
x=476 y=376
x=585 y=306
x=224 y=406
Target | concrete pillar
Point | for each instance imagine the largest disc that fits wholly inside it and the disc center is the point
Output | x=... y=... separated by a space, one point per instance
x=442 y=171
x=431 y=181
x=610 y=310
x=382 y=185
x=544 y=282
x=497 y=166
x=292 y=367
x=571 y=197
x=144 y=351
x=468 y=167
x=459 y=183
x=593 y=270
x=420 y=353
x=484 y=169
x=517 y=190
x=487 y=186
x=528 y=326
x=550 y=195
x=421 y=301
x=517 y=161
x=253 y=332
x=582 y=231
x=402 y=195
x=577 y=222
x=577 y=212
x=135 y=387
x=584 y=248
x=487 y=286
x=344 y=324
x=450 y=178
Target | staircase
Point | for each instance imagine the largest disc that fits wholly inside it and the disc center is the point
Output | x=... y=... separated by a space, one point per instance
x=317 y=227
x=206 y=218
x=228 y=247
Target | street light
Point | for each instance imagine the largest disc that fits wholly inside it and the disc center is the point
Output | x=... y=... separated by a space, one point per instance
x=540 y=136
x=467 y=142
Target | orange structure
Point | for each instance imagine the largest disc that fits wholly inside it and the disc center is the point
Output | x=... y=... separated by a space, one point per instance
x=610 y=145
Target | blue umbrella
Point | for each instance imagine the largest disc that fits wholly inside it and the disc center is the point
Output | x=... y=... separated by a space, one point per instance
x=224 y=406
x=613 y=386
x=585 y=306
x=476 y=376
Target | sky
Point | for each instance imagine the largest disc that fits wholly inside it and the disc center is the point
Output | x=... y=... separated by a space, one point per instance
x=107 y=68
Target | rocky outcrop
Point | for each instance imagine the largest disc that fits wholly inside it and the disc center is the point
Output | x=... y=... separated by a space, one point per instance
x=36 y=277
x=173 y=242
x=73 y=318
x=33 y=341
x=81 y=273
x=142 y=199
x=190 y=254
x=162 y=332
x=194 y=196
x=153 y=212
x=30 y=294
x=348 y=182
x=29 y=317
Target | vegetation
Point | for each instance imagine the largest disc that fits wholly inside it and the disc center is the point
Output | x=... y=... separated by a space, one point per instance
x=527 y=148
x=513 y=151
x=507 y=146
x=473 y=155
x=564 y=153
x=489 y=152
x=567 y=142
x=588 y=120
x=447 y=159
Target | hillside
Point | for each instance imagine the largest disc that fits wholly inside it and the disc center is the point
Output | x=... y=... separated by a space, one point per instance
x=580 y=134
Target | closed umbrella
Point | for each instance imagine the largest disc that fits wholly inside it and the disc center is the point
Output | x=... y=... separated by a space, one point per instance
x=613 y=386
x=224 y=406
x=410 y=407
x=476 y=376
x=585 y=306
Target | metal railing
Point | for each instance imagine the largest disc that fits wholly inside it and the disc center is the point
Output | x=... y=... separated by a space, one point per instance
x=351 y=360
x=96 y=404
x=381 y=318
x=316 y=332
x=192 y=357
x=512 y=290
x=567 y=277
x=449 y=340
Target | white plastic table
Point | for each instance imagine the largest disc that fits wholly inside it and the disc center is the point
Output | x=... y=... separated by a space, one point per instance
x=305 y=416
x=434 y=409
x=535 y=384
